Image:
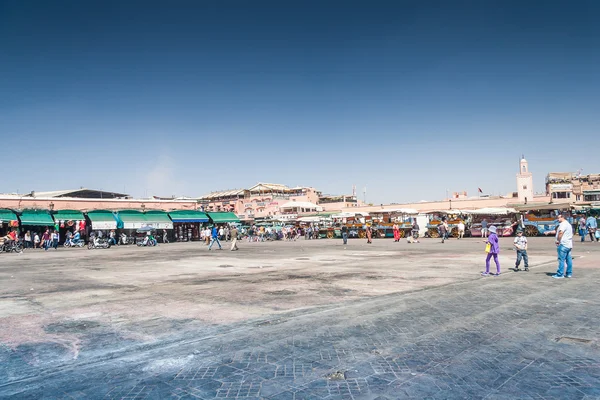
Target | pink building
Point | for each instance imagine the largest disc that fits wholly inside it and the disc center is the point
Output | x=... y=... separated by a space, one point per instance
x=273 y=200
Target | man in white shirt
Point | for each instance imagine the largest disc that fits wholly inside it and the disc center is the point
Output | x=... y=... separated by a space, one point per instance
x=461 y=229
x=564 y=245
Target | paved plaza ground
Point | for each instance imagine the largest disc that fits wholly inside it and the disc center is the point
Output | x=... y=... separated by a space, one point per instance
x=300 y=320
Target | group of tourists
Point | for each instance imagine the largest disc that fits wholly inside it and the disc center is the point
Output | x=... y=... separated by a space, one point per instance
x=47 y=239
x=564 y=246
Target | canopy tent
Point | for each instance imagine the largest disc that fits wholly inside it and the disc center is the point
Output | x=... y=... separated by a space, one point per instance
x=410 y=211
x=68 y=215
x=309 y=219
x=351 y=214
x=188 y=216
x=36 y=218
x=491 y=211
x=223 y=217
x=306 y=205
x=552 y=206
x=7 y=216
x=102 y=219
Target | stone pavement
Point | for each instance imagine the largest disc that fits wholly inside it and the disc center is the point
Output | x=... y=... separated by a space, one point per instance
x=517 y=336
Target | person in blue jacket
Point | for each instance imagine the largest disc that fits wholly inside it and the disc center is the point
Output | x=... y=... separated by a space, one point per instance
x=215 y=238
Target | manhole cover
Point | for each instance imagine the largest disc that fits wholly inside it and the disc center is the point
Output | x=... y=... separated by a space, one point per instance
x=573 y=340
x=336 y=376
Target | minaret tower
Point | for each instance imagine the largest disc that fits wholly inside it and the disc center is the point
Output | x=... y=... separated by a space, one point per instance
x=524 y=182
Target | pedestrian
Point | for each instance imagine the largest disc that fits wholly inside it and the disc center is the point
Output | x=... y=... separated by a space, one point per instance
x=484 y=228
x=36 y=240
x=592 y=225
x=564 y=245
x=345 y=234
x=520 y=244
x=414 y=232
x=442 y=229
x=221 y=233
x=28 y=242
x=461 y=229
x=165 y=236
x=55 y=238
x=233 y=232
x=582 y=228
x=215 y=238
x=46 y=239
x=369 y=234
x=494 y=250
x=396 y=230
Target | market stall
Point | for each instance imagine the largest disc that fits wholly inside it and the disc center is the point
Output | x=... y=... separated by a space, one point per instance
x=503 y=218
x=8 y=221
x=69 y=221
x=187 y=224
x=384 y=221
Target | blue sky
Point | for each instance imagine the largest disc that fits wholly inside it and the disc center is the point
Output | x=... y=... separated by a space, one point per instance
x=407 y=98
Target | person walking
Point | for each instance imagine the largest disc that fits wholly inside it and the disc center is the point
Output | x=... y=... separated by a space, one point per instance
x=36 y=240
x=28 y=242
x=215 y=238
x=369 y=234
x=461 y=229
x=443 y=230
x=484 y=228
x=55 y=238
x=494 y=248
x=345 y=234
x=396 y=231
x=233 y=232
x=582 y=228
x=520 y=244
x=46 y=239
x=414 y=232
x=592 y=225
x=564 y=245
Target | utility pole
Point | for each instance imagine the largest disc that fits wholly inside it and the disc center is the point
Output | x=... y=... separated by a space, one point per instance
x=365 y=195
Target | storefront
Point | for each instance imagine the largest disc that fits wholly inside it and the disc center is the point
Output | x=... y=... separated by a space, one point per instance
x=134 y=220
x=36 y=221
x=102 y=220
x=223 y=217
x=187 y=224
x=69 y=220
x=8 y=221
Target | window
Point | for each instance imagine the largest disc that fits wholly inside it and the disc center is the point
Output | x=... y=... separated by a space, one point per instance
x=561 y=195
x=524 y=187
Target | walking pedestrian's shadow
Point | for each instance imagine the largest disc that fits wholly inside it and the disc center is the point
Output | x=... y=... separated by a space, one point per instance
x=549 y=273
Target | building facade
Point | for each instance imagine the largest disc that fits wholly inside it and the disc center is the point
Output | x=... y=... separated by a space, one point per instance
x=271 y=200
x=573 y=186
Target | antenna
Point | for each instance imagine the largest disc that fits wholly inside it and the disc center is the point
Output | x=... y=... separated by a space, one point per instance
x=365 y=194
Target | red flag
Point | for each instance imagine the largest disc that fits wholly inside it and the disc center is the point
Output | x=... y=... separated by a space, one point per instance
x=480 y=191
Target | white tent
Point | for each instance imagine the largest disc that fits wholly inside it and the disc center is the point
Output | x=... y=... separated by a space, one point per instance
x=306 y=205
x=491 y=211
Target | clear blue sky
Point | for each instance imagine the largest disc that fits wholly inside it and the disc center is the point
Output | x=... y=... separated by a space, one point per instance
x=408 y=98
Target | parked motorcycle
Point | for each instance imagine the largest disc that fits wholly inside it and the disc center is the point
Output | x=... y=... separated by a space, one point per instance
x=147 y=241
x=6 y=247
x=71 y=243
x=98 y=243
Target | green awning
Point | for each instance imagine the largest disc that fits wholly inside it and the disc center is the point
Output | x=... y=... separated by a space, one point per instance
x=36 y=217
x=133 y=219
x=7 y=216
x=158 y=219
x=102 y=219
x=223 y=217
x=188 y=216
x=68 y=215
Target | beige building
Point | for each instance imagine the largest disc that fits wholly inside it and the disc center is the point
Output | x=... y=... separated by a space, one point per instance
x=573 y=186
